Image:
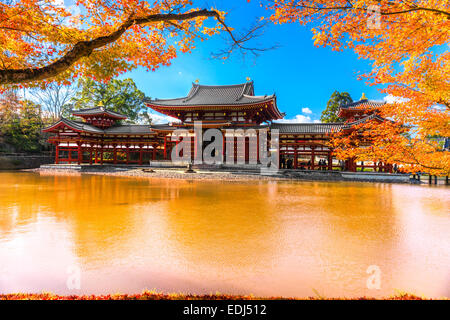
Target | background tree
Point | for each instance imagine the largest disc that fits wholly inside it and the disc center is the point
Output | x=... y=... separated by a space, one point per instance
x=407 y=43
x=337 y=99
x=117 y=95
x=54 y=100
x=41 y=41
x=20 y=123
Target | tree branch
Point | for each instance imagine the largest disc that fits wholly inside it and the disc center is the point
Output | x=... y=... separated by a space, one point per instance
x=85 y=48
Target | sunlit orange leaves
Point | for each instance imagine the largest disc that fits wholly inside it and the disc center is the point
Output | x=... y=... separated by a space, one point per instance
x=36 y=33
x=407 y=42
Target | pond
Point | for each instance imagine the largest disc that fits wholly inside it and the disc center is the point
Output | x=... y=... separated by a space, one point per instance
x=267 y=238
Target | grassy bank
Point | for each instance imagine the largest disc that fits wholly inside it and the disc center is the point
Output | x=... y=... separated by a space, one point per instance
x=150 y=295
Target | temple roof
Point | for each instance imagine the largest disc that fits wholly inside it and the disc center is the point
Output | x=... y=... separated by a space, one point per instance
x=320 y=128
x=133 y=129
x=97 y=111
x=201 y=95
x=307 y=128
x=129 y=129
x=363 y=103
x=373 y=116
x=75 y=125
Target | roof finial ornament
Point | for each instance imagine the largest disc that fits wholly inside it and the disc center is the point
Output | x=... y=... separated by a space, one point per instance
x=196 y=81
x=363 y=97
x=248 y=79
x=101 y=105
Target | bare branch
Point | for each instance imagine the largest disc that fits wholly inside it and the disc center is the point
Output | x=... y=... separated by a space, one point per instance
x=238 y=42
x=85 y=48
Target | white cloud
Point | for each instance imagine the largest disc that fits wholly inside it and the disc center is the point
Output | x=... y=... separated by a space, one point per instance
x=439 y=107
x=158 y=118
x=299 y=118
x=306 y=111
x=58 y=3
x=393 y=99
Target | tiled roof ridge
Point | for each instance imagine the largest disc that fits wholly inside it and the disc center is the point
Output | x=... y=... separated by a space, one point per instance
x=366 y=118
x=224 y=86
x=370 y=102
x=192 y=92
x=85 y=109
x=100 y=110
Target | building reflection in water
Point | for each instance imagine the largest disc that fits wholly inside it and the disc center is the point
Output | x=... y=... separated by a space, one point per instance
x=265 y=238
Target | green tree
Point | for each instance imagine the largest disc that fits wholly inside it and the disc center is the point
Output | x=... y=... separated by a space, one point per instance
x=117 y=95
x=20 y=123
x=336 y=100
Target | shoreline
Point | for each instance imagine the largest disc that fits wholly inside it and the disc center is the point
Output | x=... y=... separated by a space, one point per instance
x=152 y=295
x=214 y=175
x=158 y=173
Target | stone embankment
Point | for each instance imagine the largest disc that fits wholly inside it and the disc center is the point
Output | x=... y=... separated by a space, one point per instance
x=236 y=173
x=15 y=161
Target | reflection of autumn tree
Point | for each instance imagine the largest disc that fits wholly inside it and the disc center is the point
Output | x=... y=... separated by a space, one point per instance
x=226 y=225
x=410 y=60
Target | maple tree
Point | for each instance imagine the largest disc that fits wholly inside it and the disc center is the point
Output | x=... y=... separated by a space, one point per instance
x=407 y=42
x=41 y=41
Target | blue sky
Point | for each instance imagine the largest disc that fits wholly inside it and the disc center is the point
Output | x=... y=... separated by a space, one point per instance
x=302 y=76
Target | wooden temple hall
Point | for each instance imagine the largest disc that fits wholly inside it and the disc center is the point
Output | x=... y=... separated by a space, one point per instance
x=99 y=137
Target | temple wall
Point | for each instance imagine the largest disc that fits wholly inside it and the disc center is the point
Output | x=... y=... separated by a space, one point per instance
x=23 y=161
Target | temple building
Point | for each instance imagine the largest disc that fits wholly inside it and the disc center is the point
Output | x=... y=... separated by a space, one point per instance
x=100 y=138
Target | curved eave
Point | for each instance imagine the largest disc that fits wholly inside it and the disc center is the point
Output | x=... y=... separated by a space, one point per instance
x=208 y=125
x=276 y=111
x=63 y=122
x=99 y=114
x=206 y=106
x=375 y=117
x=272 y=109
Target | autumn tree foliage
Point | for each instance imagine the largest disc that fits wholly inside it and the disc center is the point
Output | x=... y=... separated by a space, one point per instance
x=407 y=42
x=20 y=123
x=41 y=41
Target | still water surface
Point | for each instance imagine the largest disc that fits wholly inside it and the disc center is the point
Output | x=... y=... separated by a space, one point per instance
x=264 y=238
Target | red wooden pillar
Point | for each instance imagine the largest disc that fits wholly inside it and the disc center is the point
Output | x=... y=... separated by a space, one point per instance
x=154 y=152
x=194 y=138
x=140 y=154
x=57 y=153
x=101 y=154
x=313 y=158
x=279 y=159
x=246 y=149
x=165 y=147
x=128 y=153
x=90 y=155
x=235 y=149
x=352 y=165
x=224 y=146
x=115 y=153
x=257 y=147
x=79 y=153
x=295 y=158
x=330 y=161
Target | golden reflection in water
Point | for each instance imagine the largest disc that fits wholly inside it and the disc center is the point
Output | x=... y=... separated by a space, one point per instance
x=265 y=238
